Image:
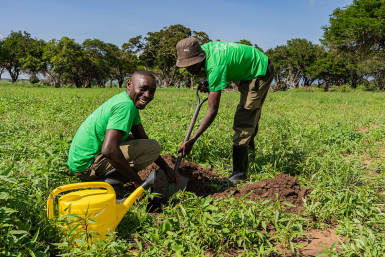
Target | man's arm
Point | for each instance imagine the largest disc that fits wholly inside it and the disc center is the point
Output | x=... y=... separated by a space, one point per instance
x=213 y=101
x=114 y=155
x=139 y=133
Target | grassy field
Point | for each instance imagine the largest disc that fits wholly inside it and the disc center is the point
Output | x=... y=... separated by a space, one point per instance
x=332 y=142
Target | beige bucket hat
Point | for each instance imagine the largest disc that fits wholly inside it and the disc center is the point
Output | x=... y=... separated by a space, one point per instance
x=189 y=52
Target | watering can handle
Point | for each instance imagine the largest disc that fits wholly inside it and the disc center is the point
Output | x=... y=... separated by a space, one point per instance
x=83 y=185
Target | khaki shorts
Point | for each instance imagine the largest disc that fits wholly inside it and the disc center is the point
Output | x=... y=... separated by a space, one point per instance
x=253 y=95
x=139 y=153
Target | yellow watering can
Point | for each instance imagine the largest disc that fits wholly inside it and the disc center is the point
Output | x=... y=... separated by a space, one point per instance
x=96 y=201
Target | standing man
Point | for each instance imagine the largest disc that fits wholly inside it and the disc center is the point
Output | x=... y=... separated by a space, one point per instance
x=103 y=148
x=230 y=62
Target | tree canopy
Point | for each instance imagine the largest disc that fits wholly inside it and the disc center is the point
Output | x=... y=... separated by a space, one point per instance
x=15 y=48
x=358 y=30
x=158 y=49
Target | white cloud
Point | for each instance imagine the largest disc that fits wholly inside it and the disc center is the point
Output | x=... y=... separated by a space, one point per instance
x=312 y=3
x=1 y=37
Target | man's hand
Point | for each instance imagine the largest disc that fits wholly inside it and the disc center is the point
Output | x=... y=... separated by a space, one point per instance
x=172 y=176
x=186 y=147
x=204 y=87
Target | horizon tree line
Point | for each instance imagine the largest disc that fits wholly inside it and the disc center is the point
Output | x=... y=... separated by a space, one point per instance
x=351 y=52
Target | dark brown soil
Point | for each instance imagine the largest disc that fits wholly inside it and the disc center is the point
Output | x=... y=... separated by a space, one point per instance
x=201 y=181
x=287 y=188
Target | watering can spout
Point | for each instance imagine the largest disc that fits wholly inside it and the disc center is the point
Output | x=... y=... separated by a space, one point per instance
x=126 y=205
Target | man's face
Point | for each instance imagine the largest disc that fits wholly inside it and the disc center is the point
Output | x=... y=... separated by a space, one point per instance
x=141 y=89
x=195 y=69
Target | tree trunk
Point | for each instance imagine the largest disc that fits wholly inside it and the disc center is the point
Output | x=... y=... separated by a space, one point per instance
x=1 y=71
x=78 y=82
x=167 y=79
x=33 y=78
x=120 y=81
x=177 y=84
x=380 y=83
x=57 y=83
x=191 y=82
x=296 y=80
x=14 y=74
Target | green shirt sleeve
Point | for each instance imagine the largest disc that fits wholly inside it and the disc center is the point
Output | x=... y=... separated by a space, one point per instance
x=122 y=117
x=216 y=77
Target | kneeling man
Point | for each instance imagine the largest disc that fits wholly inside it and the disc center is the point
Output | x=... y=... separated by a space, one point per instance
x=103 y=148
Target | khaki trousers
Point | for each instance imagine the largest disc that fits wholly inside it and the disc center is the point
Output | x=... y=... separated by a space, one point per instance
x=246 y=118
x=139 y=153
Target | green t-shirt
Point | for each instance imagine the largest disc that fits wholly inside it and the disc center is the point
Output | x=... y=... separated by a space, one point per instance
x=232 y=62
x=119 y=112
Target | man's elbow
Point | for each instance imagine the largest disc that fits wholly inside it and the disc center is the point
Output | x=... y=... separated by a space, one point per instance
x=108 y=152
x=214 y=110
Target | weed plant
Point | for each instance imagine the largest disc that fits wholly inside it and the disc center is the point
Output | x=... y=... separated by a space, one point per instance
x=332 y=142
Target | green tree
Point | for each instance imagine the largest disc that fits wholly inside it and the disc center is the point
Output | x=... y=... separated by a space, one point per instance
x=302 y=53
x=279 y=57
x=53 y=56
x=358 y=30
x=245 y=42
x=248 y=43
x=101 y=58
x=124 y=63
x=34 y=63
x=292 y=61
x=67 y=59
x=158 y=49
x=2 y=58
x=15 y=48
x=336 y=69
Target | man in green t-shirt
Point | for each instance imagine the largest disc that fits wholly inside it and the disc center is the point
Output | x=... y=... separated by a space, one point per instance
x=230 y=62
x=103 y=148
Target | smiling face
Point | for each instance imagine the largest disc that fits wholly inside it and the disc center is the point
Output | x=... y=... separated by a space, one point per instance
x=141 y=89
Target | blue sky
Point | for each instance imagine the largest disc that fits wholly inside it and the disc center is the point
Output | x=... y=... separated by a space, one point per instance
x=263 y=22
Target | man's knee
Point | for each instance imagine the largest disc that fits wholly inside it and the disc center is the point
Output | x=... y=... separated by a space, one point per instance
x=155 y=146
x=241 y=137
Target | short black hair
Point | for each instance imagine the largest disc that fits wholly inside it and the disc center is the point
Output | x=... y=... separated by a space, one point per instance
x=143 y=73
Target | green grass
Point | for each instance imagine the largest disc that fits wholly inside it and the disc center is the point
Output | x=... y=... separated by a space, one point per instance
x=314 y=136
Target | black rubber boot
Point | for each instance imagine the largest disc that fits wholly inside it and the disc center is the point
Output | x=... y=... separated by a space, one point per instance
x=117 y=181
x=121 y=192
x=240 y=161
x=251 y=148
x=114 y=178
x=251 y=145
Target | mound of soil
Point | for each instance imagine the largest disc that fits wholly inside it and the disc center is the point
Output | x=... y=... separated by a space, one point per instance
x=287 y=188
x=201 y=181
